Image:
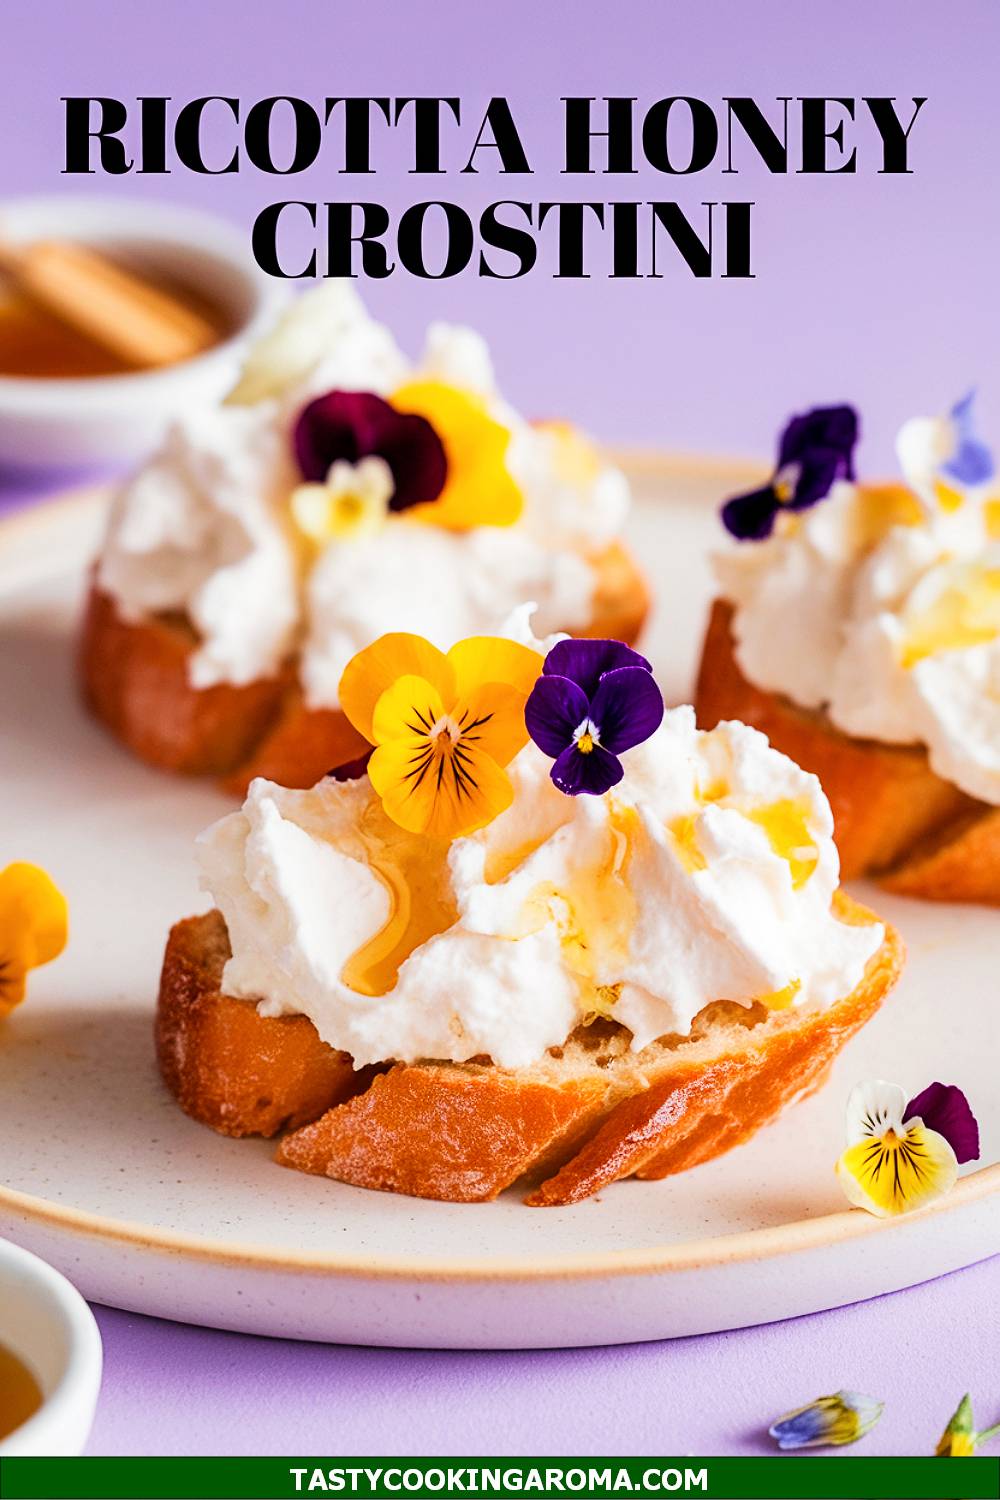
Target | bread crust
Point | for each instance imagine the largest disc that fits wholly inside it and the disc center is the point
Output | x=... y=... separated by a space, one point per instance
x=135 y=680
x=894 y=817
x=569 y=1126
x=227 y=1066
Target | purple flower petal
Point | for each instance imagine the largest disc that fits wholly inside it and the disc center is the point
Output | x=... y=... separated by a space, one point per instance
x=555 y=708
x=834 y=428
x=594 y=772
x=944 y=1108
x=626 y=708
x=750 y=518
x=585 y=662
x=972 y=461
x=352 y=425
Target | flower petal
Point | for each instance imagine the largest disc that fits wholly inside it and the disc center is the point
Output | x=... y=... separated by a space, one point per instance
x=959 y=1437
x=585 y=662
x=378 y=666
x=817 y=474
x=33 y=927
x=593 y=772
x=479 y=489
x=492 y=720
x=487 y=658
x=944 y=1108
x=750 y=517
x=873 y=1108
x=828 y=1421
x=555 y=708
x=892 y=1174
x=627 y=708
x=834 y=428
x=972 y=461
x=409 y=708
x=446 y=796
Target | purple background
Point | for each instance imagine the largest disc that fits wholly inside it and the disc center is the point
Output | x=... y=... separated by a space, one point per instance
x=878 y=289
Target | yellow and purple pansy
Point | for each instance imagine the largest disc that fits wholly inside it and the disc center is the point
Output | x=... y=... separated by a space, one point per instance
x=431 y=450
x=593 y=701
x=33 y=928
x=815 y=450
x=901 y=1155
x=443 y=726
x=829 y=1421
x=960 y=1438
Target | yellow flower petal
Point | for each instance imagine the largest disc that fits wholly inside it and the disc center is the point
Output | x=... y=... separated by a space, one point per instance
x=408 y=709
x=893 y=1173
x=33 y=928
x=310 y=504
x=490 y=658
x=479 y=489
x=432 y=790
x=372 y=671
x=492 y=721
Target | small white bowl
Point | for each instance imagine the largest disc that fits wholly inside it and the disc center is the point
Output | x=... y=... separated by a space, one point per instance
x=46 y=1323
x=52 y=423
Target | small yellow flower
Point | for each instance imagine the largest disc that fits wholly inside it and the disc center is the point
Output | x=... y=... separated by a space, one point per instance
x=479 y=490
x=443 y=726
x=960 y=1438
x=353 y=501
x=33 y=927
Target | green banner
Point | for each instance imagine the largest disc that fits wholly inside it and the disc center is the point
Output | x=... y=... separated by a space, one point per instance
x=795 y=1477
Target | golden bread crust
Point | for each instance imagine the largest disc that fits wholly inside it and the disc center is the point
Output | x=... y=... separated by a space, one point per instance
x=587 y=1115
x=134 y=676
x=227 y=1066
x=887 y=802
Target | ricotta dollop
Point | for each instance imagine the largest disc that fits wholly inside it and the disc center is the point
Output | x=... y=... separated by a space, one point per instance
x=707 y=873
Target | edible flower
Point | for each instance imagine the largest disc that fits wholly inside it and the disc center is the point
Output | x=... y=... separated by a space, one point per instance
x=479 y=489
x=960 y=1438
x=829 y=1421
x=594 y=700
x=352 y=501
x=444 y=726
x=902 y=1155
x=33 y=928
x=941 y=457
x=815 y=450
x=348 y=426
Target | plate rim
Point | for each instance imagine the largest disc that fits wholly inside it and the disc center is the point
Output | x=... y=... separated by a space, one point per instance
x=817 y=1233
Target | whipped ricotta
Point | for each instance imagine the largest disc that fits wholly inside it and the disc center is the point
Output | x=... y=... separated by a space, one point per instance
x=881 y=605
x=203 y=529
x=707 y=873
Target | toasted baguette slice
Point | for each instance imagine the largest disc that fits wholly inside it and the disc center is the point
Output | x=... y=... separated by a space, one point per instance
x=228 y=1067
x=887 y=802
x=134 y=676
x=587 y=1114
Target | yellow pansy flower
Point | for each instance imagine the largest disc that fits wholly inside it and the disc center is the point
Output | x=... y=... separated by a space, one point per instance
x=893 y=1162
x=444 y=726
x=352 y=502
x=33 y=928
x=479 y=489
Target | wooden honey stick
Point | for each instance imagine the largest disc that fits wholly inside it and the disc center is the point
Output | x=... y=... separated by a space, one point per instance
x=142 y=325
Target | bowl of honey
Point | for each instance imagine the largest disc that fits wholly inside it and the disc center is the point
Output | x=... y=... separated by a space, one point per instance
x=117 y=315
x=50 y=1359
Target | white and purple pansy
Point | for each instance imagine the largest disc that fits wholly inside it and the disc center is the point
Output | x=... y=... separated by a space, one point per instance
x=593 y=701
x=901 y=1155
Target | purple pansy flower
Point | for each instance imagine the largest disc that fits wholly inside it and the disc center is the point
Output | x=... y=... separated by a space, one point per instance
x=944 y=1108
x=352 y=425
x=593 y=700
x=972 y=461
x=816 y=449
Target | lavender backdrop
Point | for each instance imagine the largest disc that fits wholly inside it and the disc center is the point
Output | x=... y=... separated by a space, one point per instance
x=874 y=288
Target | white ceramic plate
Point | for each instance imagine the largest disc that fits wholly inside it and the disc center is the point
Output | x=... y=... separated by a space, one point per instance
x=103 y=1176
